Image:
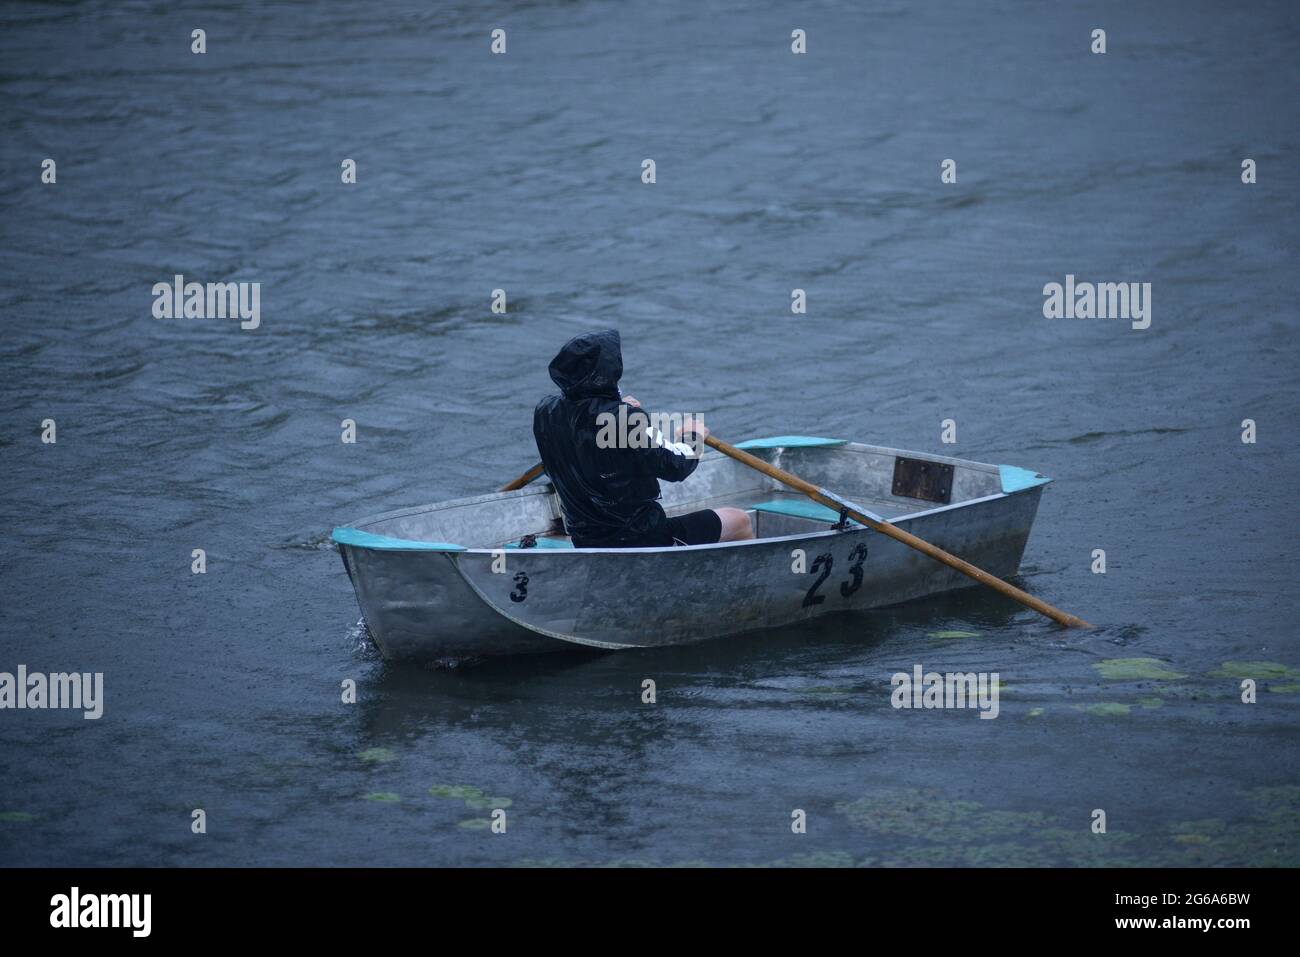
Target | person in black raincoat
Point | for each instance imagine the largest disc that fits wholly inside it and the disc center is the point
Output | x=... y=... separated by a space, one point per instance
x=609 y=495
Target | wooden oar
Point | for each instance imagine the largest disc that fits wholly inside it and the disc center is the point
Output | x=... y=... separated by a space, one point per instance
x=830 y=500
x=524 y=479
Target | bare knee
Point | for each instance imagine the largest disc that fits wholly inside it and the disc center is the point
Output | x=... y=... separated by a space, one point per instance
x=736 y=526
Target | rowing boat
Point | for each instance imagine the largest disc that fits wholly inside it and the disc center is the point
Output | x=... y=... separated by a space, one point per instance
x=497 y=575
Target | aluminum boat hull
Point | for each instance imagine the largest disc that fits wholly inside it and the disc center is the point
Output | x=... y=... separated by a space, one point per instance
x=449 y=581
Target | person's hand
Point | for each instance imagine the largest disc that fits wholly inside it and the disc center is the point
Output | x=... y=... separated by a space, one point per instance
x=690 y=424
x=631 y=400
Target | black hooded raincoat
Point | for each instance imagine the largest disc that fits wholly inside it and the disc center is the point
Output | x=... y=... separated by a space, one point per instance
x=608 y=495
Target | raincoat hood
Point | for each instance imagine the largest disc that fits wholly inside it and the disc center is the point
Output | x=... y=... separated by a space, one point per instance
x=589 y=365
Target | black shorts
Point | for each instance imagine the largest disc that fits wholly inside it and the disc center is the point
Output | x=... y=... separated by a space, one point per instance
x=696 y=528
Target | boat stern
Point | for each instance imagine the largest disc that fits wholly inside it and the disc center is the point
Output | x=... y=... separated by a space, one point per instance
x=417 y=605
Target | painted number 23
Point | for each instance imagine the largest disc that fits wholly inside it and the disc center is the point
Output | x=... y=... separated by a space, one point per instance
x=824 y=564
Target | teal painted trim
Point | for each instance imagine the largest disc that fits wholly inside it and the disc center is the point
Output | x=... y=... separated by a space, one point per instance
x=545 y=543
x=789 y=442
x=1014 y=479
x=800 y=508
x=359 y=539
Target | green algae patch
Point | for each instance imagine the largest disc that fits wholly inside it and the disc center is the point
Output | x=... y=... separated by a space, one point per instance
x=384 y=797
x=1268 y=837
x=1255 y=669
x=1107 y=709
x=817 y=859
x=1035 y=712
x=487 y=803
x=473 y=797
x=1136 y=669
x=544 y=862
x=377 y=755
x=618 y=862
x=917 y=813
x=922 y=828
x=1284 y=689
x=1150 y=704
x=900 y=827
x=459 y=792
x=954 y=634
x=475 y=824
x=16 y=817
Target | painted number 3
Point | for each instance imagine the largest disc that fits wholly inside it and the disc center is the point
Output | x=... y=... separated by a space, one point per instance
x=824 y=563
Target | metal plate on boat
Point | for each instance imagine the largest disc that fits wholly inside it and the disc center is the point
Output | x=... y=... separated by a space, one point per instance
x=917 y=478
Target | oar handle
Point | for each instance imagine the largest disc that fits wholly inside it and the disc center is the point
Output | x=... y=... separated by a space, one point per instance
x=524 y=479
x=824 y=497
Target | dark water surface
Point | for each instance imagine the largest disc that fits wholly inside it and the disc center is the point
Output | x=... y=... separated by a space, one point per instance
x=522 y=172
